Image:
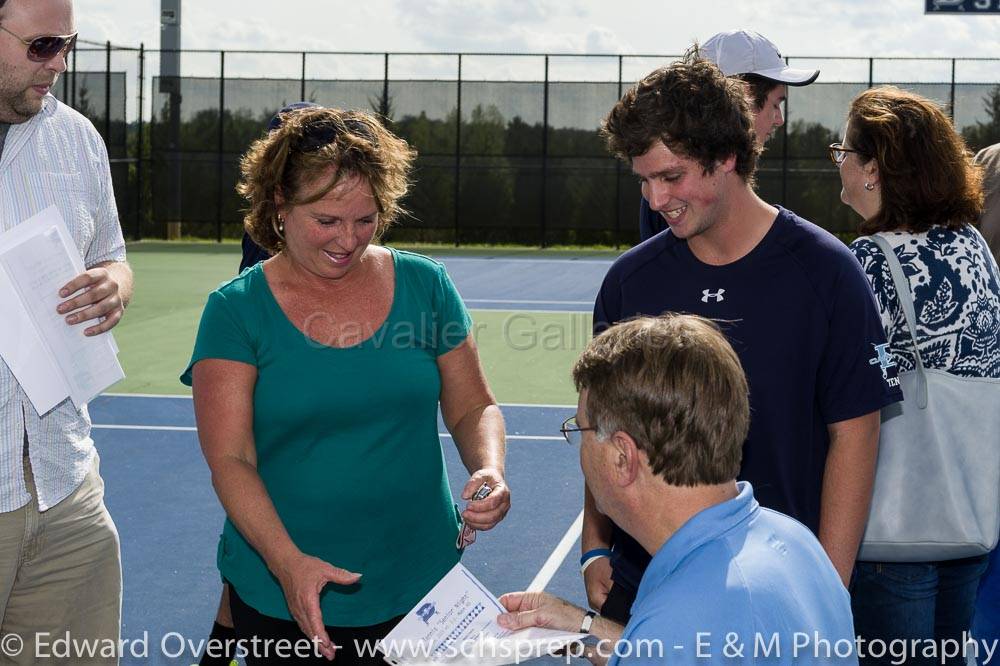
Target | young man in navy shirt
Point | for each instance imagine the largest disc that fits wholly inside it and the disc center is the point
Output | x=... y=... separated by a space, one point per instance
x=789 y=296
x=753 y=59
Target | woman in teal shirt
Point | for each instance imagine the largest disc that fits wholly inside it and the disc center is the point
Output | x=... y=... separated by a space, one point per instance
x=317 y=377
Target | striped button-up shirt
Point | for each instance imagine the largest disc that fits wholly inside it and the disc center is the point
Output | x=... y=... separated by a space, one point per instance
x=58 y=158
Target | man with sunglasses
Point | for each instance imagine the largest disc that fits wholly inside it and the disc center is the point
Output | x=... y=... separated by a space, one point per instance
x=793 y=301
x=60 y=571
x=660 y=424
x=754 y=60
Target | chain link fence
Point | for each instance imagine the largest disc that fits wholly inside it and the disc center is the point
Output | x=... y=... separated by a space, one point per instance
x=508 y=147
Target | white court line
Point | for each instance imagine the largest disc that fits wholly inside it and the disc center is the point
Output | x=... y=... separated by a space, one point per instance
x=523 y=260
x=97 y=426
x=544 y=575
x=188 y=397
x=525 y=404
x=110 y=426
x=528 y=313
x=527 y=438
x=147 y=395
x=525 y=302
x=555 y=560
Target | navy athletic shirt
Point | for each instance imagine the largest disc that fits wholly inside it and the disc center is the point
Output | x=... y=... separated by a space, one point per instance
x=801 y=316
x=650 y=222
x=253 y=254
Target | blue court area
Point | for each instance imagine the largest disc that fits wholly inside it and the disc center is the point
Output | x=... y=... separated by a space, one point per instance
x=159 y=491
x=564 y=285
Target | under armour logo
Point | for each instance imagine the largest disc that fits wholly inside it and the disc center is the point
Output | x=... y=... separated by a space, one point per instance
x=716 y=296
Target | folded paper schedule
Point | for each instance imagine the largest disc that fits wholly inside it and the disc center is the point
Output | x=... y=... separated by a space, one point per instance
x=51 y=360
x=455 y=623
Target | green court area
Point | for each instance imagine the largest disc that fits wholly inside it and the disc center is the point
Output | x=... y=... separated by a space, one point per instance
x=527 y=354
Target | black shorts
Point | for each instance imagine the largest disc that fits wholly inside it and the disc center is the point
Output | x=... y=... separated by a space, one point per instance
x=249 y=624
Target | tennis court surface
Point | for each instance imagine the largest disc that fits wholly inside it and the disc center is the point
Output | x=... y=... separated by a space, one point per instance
x=533 y=319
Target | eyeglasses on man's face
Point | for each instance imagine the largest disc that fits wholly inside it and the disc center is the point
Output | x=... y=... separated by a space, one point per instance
x=572 y=432
x=47 y=47
x=838 y=153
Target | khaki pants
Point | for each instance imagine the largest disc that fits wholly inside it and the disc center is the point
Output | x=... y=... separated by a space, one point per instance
x=60 y=575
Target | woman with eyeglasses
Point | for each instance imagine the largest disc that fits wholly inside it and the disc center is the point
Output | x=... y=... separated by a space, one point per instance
x=317 y=377
x=908 y=174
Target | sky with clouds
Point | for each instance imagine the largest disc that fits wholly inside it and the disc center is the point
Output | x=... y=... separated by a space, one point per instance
x=799 y=27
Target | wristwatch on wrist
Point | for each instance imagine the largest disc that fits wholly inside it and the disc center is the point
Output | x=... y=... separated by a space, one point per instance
x=588 y=620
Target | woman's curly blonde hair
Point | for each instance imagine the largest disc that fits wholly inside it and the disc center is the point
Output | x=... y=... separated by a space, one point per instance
x=303 y=148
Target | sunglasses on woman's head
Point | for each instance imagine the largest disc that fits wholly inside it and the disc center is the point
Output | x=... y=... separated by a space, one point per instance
x=45 y=48
x=325 y=131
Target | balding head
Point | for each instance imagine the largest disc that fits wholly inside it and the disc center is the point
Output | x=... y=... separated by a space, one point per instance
x=11 y=10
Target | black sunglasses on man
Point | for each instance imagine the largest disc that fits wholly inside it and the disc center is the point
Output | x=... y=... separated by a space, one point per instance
x=46 y=47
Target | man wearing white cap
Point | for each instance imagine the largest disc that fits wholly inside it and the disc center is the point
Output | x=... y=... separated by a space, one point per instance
x=790 y=297
x=755 y=60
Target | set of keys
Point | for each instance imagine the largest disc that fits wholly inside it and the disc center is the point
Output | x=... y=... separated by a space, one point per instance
x=467 y=535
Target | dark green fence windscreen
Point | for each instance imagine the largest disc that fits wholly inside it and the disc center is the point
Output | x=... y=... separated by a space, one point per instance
x=507 y=154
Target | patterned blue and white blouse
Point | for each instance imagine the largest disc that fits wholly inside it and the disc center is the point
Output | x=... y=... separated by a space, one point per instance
x=956 y=296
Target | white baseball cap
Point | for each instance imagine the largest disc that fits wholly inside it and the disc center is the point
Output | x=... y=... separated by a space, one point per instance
x=749 y=52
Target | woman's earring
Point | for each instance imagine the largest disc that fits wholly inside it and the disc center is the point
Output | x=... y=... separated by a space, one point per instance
x=279 y=228
x=869 y=186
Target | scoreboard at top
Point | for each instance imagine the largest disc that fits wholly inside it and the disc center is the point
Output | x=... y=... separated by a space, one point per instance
x=962 y=7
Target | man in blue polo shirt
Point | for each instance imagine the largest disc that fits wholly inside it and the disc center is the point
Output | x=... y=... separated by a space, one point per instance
x=753 y=59
x=792 y=300
x=660 y=422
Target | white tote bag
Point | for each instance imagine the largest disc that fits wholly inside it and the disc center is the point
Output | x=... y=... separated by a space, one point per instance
x=937 y=483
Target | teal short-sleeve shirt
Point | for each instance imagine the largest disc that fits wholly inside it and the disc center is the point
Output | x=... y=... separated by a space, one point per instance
x=347 y=441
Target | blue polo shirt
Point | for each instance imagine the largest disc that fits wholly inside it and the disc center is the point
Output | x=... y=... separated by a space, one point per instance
x=740 y=578
x=800 y=314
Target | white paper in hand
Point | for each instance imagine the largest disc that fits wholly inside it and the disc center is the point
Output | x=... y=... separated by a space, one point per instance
x=25 y=354
x=50 y=359
x=455 y=623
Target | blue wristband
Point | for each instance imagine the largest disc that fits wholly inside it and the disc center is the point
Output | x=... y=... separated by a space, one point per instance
x=596 y=552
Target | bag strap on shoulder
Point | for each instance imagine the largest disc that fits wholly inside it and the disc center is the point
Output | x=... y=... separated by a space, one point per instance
x=909 y=312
